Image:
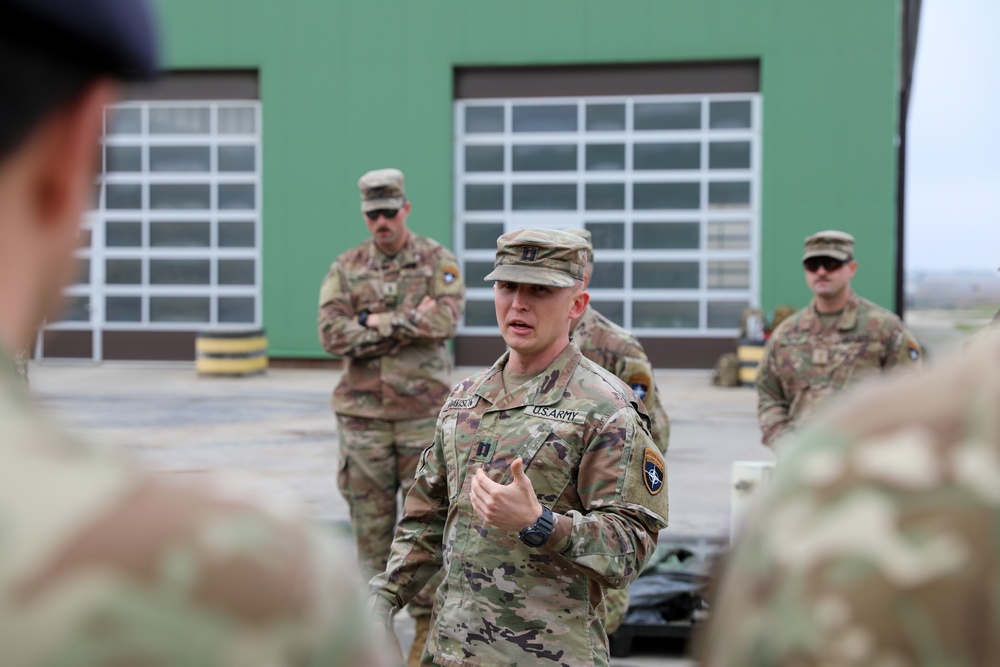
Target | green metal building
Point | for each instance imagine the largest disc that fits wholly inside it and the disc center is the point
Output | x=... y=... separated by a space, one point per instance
x=699 y=142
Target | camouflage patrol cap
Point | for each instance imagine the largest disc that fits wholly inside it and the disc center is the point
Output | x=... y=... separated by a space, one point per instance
x=540 y=257
x=586 y=236
x=382 y=188
x=830 y=243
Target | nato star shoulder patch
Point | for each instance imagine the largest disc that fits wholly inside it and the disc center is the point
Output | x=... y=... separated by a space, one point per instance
x=640 y=383
x=449 y=278
x=653 y=471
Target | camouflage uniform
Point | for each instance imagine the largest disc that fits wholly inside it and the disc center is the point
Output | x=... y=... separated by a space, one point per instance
x=587 y=454
x=616 y=350
x=103 y=565
x=877 y=541
x=396 y=378
x=804 y=364
x=810 y=356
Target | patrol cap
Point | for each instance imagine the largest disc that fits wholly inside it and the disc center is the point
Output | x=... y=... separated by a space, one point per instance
x=830 y=243
x=382 y=188
x=540 y=257
x=116 y=37
x=586 y=236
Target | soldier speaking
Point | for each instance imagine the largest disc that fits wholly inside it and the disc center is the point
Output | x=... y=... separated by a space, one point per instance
x=537 y=493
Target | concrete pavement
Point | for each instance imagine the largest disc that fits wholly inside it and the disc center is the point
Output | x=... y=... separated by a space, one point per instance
x=275 y=436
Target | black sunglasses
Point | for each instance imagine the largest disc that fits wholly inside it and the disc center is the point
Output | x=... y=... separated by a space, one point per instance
x=387 y=213
x=831 y=264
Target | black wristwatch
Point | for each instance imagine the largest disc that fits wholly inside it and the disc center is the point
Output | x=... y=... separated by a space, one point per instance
x=363 y=317
x=538 y=533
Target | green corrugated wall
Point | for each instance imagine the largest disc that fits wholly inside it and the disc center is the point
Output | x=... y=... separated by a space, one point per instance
x=351 y=86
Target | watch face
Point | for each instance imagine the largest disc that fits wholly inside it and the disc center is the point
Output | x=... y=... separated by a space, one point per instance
x=533 y=539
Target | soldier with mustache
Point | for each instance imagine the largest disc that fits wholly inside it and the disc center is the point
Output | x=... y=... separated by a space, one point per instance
x=388 y=307
x=835 y=341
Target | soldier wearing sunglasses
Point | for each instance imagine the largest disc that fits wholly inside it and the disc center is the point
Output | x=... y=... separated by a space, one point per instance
x=837 y=340
x=388 y=306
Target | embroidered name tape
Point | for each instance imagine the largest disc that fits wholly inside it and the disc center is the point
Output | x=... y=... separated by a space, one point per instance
x=461 y=403
x=574 y=416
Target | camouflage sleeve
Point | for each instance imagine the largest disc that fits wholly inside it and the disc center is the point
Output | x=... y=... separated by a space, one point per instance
x=636 y=371
x=339 y=332
x=613 y=537
x=440 y=321
x=772 y=404
x=208 y=580
x=903 y=350
x=416 y=547
x=874 y=558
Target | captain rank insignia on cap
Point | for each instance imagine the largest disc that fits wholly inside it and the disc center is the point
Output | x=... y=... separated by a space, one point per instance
x=653 y=471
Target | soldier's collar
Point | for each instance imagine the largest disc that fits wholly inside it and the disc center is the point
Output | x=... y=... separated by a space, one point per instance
x=848 y=316
x=582 y=324
x=546 y=389
x=407 y=254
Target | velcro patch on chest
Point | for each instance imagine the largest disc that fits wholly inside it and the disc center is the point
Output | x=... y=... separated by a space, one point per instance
x=573 y=416
x=653 y=471
x=466 y=403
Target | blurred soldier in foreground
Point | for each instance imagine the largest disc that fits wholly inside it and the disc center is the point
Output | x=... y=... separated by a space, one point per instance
x=101 y=564
x=837 y=340
x=877 y=540
x=542 y=489
x=388 y=305
x=616 y=350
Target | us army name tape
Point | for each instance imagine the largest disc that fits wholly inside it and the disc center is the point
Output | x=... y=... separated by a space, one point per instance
x=574 y=416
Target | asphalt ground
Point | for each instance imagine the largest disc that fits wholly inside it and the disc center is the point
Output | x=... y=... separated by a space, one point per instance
x=274 y=436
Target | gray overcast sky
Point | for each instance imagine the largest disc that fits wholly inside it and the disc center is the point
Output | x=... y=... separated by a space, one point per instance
x=953 y=179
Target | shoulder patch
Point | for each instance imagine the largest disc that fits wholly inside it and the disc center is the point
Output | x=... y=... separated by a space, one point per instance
x=449 y=277
x=574 y=416
x=461 y=403
x=653 y=471
x=640 y=383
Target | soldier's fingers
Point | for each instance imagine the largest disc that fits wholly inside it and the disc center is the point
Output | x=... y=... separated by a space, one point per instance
x=517 y=469
x=480 y=503
x=478 y=491
x=487 y=484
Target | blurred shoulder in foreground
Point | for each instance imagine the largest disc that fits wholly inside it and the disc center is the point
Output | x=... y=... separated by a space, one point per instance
x=878 y=540
x=101 y=564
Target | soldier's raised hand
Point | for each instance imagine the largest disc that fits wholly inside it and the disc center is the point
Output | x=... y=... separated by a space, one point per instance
x=509 y=507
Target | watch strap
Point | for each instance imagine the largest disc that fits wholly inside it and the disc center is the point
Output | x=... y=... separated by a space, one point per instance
x=540 y=531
